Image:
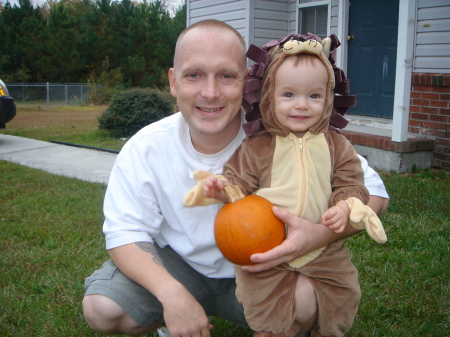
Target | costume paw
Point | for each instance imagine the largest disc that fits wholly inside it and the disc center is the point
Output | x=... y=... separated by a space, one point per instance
x=362 y=216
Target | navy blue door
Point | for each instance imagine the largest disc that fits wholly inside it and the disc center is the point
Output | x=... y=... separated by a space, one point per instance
x=372 y=53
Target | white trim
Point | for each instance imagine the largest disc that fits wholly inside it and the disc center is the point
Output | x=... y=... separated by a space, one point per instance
x=188 y=12
x=250 y=23
x=329 y=19
x=313 y=4
x=250 y=27
x=342 y=34
x=405 y=50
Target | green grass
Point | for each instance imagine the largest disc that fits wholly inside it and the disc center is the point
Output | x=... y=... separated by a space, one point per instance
x=405 y=283
x=51 y=240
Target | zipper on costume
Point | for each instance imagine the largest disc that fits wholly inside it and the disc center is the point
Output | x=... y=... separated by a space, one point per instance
x=301 y=176
x=300 y=144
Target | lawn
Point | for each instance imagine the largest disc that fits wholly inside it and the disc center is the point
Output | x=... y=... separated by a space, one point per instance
x=51 y=240
x=69 y=124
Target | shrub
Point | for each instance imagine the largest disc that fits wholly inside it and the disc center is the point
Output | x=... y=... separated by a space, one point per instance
x=131 y=110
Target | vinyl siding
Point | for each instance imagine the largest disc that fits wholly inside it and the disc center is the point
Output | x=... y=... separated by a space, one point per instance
x=333 y=24
x=432 y=45
x=233 y=12
x=292 y=17
x=270 y=20
x=258 y=21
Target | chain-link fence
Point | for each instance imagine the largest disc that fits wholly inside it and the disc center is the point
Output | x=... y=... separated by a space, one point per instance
x=51 y=93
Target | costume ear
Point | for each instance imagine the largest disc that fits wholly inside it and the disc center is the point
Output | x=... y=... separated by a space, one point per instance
x=326 y=45
x=273 y=50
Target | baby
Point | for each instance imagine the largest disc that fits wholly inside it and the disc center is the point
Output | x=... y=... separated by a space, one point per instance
x=299 y=164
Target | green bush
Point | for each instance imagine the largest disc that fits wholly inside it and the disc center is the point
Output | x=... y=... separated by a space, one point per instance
x=131 y=110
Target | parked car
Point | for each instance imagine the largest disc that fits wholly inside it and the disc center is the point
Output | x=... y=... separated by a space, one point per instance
x=7 y=106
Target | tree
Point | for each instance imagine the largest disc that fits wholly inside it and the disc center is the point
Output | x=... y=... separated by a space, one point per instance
x=21 y=28
x=77 y=40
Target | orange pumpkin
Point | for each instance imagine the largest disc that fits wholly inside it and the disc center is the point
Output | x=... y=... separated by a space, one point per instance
x=245 y=226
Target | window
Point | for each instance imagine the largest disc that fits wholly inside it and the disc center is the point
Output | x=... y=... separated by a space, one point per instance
x=313 y=17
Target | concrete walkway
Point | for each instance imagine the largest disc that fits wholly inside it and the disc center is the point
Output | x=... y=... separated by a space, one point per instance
x=80 y=163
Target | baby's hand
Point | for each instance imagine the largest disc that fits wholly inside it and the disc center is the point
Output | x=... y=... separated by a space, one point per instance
x=213 y=188
x=336 y=217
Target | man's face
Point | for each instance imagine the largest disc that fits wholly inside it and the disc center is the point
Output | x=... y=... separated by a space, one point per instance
x=208 y=79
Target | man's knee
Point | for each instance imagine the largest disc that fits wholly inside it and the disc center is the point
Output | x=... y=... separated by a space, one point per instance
x=306 y=303
x=106 y=316
x=102 y=314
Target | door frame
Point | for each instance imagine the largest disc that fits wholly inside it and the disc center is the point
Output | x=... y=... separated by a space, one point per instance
x=405 y=55
x=342 y=33
x=405 y=52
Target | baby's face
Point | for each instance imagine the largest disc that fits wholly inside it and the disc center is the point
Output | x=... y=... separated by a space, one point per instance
x=300 y=90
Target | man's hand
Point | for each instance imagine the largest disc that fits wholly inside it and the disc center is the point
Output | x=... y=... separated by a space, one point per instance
x=184 y=316
x=303 y=237
x=299 y=241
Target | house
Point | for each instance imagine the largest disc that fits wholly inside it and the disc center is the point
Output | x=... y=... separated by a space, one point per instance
x=396 y=54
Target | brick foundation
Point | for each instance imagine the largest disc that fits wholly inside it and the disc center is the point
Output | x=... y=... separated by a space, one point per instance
x=385 y=143
x=429 y=113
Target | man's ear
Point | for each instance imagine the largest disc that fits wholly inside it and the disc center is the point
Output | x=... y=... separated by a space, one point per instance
x=247 y=74
x=171 y=76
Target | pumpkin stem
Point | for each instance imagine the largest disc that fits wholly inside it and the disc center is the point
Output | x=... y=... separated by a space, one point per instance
x=233 y=193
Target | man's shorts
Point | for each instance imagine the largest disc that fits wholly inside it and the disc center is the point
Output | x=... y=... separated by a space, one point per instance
x=217 y=296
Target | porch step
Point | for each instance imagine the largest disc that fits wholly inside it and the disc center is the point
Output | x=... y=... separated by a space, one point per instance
x=375 y=126
x=371 y=138
x=369 y=125
x=366 y=121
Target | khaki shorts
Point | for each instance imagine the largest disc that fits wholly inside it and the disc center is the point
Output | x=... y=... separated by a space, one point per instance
x=217 y=296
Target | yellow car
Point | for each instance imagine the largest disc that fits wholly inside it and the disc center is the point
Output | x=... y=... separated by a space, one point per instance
x=7 y=106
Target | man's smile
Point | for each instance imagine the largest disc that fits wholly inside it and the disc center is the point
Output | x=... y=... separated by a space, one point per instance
x=208 y=109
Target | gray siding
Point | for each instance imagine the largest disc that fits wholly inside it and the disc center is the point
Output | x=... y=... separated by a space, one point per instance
x=292 y=18
x=258 y=21
x=233 y=12
x=432 y=45
x=270 y=20
x=333 y=24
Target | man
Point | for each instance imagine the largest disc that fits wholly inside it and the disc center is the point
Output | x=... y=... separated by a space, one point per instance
x=165 y=268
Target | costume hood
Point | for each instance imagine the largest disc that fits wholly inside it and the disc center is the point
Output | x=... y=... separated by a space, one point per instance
x=267 y=102
x=262 y=79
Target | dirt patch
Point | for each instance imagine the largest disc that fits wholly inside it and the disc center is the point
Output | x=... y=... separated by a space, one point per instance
x=81 y=118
